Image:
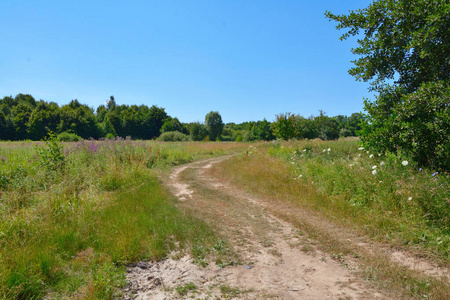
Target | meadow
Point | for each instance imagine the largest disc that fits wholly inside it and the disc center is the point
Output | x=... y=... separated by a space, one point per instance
x=73 y=215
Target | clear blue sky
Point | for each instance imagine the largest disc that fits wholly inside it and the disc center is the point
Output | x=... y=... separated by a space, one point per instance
x=247 y=59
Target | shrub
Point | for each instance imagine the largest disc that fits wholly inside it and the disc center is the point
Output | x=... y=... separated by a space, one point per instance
x=67 y=136
x=51 y=156
x=173 y=136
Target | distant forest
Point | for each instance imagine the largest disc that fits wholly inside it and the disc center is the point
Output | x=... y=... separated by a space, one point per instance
x=24 y=118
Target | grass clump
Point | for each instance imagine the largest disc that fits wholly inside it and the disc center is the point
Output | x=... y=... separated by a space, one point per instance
x=185 y=289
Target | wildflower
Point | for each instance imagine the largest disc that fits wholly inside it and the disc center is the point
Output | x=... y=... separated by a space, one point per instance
x=304 y=150
x=371 y=155
x=374 y=172
x=382 y=163
x=3 y=159
x=361 y=148
x=300 y=176
x=329 y=149
x=405 y=163
x=374 y=167
x=435 y=173
x=420 y=169
x=93 y=147
x=324 y=150
x=409 y=198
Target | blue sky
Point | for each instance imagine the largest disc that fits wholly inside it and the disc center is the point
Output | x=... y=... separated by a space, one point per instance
x=247 y=59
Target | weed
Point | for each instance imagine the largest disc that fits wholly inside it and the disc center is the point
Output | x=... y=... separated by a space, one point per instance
x=228 y=291
x=183 y=290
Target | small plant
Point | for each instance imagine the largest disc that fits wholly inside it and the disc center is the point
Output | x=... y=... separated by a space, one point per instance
x=229 y=291
x=51 y=156
x=183 y=290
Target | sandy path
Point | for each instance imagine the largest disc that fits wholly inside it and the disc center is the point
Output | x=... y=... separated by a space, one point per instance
x=275 y=260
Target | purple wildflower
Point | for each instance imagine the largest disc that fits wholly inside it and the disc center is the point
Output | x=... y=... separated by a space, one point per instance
x=3 y=159
x=93 y=147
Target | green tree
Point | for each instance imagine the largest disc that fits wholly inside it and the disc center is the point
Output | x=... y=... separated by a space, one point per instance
x=284 y=126
x=404 y=56
x=214 y=125
x=197 y=131
x=80 y=119
x=173 y=124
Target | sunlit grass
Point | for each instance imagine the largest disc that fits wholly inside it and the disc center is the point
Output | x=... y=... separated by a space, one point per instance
x=69 y=232
x=400 y=204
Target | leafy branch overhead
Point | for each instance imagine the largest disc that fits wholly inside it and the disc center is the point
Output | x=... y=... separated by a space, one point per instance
x=404 y=41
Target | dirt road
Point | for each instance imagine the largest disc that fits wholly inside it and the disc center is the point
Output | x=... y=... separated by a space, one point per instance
x=273 y=259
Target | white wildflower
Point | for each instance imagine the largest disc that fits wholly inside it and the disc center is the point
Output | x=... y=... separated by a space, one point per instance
x=371 y=155
x=304 y=150
x=329 y=149
x=324 y=150
x=374 y=172
x=409 y=198
x=361 y=148
x=374 y=167
x=382 y=163
x=405 y=163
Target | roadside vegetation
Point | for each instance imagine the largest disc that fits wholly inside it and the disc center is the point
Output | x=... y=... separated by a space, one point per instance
x=385 y=197
x=73 y=215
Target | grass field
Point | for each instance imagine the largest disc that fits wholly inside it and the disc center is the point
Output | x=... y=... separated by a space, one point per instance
x=73 y=215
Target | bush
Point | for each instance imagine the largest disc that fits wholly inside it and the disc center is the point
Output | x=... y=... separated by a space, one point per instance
x=173 y=136
x=67 y=136
x=344 y=132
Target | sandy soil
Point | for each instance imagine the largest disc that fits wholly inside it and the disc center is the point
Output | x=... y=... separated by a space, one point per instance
x=274 y=260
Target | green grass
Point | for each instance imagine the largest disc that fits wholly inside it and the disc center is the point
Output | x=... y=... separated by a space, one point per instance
x=69 y=232
x=401 y=205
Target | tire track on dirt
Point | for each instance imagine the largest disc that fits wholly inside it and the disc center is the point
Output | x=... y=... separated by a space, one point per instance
x=276 y=261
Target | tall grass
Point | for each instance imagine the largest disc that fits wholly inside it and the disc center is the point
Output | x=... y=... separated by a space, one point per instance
x=399 y=204
x=386 y=196
x=68 y=231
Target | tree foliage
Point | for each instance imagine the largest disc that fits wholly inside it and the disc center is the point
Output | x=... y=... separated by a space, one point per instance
x=404 y=41
x=404 y=55
x=22 y=117
x=214 y=125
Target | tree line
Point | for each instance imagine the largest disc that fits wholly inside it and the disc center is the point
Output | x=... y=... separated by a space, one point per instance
x=24 y=118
